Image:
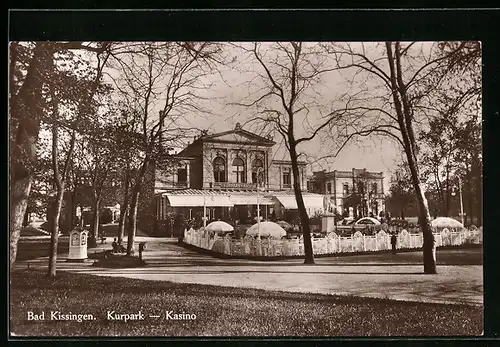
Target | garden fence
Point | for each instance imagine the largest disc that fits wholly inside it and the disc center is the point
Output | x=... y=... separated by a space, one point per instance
x=332 y=243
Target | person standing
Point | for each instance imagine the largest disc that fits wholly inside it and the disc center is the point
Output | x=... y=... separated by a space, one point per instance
x=394 y=240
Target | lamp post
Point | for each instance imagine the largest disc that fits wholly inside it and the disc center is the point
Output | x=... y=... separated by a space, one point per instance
x=79 y=215
x=204 y=209
x=461 y=199
x=258 y=205
x=369 y=203
x=116 y=212
x=205 y=206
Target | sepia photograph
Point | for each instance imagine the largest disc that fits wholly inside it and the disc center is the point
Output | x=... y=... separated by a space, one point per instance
x=240 y=188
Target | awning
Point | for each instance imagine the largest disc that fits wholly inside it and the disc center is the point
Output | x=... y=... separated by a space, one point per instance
x=198 y=200
x=311 y=202
x=250 y=200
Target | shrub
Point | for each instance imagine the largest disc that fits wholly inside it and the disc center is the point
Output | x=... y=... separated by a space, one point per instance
x=106 y=216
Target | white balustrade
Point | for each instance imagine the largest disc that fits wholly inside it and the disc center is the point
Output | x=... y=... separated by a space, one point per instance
x=332 y=243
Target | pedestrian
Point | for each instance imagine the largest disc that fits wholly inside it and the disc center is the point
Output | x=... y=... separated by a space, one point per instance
x=394 y=240
x=115 y=246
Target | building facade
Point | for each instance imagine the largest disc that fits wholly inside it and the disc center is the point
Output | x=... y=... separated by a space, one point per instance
x=227 y=175
x=355 y=193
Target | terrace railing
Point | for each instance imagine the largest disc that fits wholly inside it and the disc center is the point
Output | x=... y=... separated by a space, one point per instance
x=331 y=244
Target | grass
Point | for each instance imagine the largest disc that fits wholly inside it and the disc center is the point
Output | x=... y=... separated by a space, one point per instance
x=32 y=231
x=220 y=311
x=39 y=248
x=118 y=261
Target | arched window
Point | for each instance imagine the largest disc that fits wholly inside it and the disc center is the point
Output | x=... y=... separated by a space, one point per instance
x=256 y=164
x=361 y=188
x=287 y=177
x=219 y=170
x=239 y=170
x=346 y=189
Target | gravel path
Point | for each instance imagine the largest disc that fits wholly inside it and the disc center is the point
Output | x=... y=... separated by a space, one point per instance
x=399 y=277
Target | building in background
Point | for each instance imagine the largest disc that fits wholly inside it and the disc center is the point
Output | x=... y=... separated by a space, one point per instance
x=221 y=172
x=355 y=193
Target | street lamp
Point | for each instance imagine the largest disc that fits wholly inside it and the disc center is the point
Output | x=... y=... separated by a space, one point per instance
x=258 y=205
x=116 y=212
x=205 y=206
x=369 y=202
x=204 y=209
x=453 y=193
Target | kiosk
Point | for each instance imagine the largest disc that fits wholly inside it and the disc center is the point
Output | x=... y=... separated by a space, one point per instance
x=77 y=245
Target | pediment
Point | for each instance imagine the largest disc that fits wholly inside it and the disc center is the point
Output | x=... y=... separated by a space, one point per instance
x=239 y=136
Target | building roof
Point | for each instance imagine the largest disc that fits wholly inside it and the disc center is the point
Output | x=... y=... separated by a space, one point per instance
x=291 y=192
x=175 y=157
x=237 y=135
x=354 y=173
x=228 y=198
x=277 y=161
x=191 y=191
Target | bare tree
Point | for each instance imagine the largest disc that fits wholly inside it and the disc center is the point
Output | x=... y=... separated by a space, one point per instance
x=289 y=77
x=60 y=177
x=160 y=82
x=394 y=82
x=99 y=162
x=70 y=107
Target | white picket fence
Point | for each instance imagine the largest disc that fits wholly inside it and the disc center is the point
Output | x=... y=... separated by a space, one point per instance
x=332 y=243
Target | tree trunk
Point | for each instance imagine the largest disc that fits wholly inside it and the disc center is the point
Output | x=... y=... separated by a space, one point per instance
x=440 y=191
x=54 y=237
x=447 y=214
x=132 y=227
x=476 y=168
x=429 y=244
x=19 y=193
x=470 y=208
x=132 y=223
x=304 y=218
x=95 y=220
x=121 y=223
x=124 y=208
x=73 y=208
x=26 y=218
x=24 y=123
x=404 y=115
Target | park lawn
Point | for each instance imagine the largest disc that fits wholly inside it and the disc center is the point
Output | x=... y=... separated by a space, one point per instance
x=39 y=248
x=220 y=311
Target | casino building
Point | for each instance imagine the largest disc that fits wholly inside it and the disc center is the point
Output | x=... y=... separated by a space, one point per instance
x=220 y=173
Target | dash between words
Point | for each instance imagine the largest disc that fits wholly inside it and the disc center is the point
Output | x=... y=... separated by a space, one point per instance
x=168 y=315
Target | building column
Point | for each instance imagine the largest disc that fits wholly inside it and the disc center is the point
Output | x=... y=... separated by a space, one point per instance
x=164 y=207
x=188 y=165
x=335 y=191
x=281 y=177
x=248 y=167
